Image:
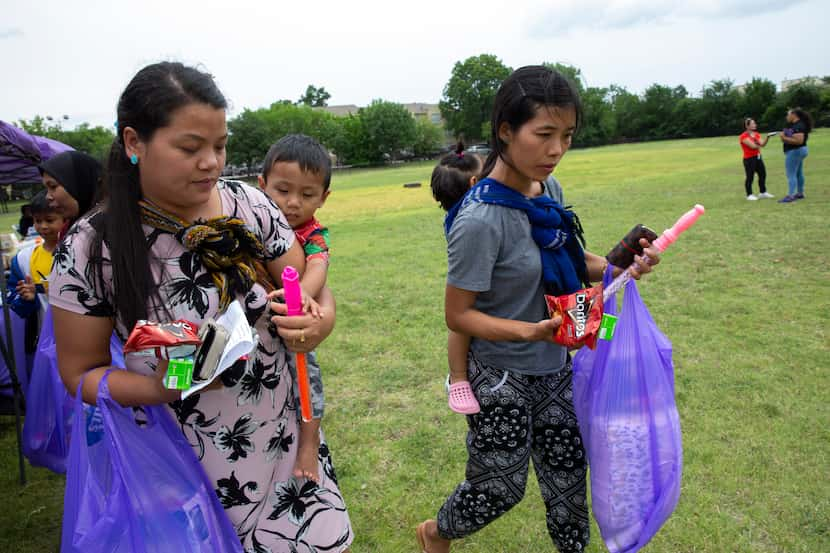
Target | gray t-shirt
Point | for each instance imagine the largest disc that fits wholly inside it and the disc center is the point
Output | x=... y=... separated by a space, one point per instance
x=490 y=251
x=554 y=189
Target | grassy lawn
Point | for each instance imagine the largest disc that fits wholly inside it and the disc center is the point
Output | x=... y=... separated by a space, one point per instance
x=744 y=296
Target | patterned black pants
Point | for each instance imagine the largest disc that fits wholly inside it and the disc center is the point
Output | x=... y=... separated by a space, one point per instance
x=522 y=417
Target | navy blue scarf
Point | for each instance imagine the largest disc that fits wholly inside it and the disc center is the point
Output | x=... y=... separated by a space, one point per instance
x=555 y=230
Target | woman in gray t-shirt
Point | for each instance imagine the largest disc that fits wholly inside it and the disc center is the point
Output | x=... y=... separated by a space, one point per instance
x=496 y=282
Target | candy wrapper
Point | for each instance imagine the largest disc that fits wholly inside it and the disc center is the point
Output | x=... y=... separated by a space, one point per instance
x=163 y=340
x=581 y=314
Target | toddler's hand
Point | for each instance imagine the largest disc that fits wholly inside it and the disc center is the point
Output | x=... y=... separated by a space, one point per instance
x=26 y=288
x=312 y=307
x=309 y=305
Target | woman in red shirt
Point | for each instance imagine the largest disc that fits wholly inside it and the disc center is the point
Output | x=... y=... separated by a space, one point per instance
x=751 y=144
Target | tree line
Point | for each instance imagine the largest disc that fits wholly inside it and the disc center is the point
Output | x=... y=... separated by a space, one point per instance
x=613 y=114
x=386 y=130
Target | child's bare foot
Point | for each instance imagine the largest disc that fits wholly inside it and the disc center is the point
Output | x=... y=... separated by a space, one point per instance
x=306 y=464
x=429 y=539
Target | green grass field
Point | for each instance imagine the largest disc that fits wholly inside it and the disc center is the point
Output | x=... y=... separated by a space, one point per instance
x=744 y=296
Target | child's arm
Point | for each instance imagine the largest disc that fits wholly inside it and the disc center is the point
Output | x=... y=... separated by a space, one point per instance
x=458 y=345
x=316 y=248
x=19 y=304
x=314 y=279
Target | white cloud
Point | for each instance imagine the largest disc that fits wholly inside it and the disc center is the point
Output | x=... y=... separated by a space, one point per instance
x=13 y=32
x=571 y=15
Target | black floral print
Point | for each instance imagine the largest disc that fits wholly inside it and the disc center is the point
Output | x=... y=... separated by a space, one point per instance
x=189 y=289
x=238 y=440
x=231 y=494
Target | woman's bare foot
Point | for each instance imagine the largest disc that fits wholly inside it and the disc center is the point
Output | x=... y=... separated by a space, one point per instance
x=429 y=539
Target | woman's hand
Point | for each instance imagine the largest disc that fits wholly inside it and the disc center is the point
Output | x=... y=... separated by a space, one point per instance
x=301 y=333
x=544 y=330
x=641 y=266
x=164 y=394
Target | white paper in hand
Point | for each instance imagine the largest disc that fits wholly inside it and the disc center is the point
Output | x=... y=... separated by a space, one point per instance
x=240 y=342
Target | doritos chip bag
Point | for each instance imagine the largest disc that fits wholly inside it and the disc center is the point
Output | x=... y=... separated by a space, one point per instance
x=581 y=314
x=163 y=340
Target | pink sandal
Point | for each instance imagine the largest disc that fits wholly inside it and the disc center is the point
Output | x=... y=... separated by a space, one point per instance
x=461 y=398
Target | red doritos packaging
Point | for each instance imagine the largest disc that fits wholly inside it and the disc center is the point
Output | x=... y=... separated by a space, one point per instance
x=581 y=314
x=163 y=340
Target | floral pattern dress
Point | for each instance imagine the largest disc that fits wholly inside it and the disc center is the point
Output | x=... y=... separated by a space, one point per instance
x=246 y=433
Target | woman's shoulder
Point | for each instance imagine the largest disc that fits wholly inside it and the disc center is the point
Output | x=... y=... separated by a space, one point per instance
x=86 y=227
x=479 y=216
x=240 y=190
x=241 y=198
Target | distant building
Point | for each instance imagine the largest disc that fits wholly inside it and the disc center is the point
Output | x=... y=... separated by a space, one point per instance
x=789 y=83
x=419 y=110
x=341 y=111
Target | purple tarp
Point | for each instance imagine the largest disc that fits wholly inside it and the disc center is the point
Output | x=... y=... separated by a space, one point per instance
x=21 y=153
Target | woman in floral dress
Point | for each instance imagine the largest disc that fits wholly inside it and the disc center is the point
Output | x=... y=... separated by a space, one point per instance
x=174 y=242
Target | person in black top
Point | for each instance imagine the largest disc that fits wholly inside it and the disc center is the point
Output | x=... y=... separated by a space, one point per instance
x=794 y=138
x=26 y=220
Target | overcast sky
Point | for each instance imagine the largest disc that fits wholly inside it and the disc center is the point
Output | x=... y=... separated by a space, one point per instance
x=74 y=58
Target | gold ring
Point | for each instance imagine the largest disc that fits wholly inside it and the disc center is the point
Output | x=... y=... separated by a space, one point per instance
x=302 y=336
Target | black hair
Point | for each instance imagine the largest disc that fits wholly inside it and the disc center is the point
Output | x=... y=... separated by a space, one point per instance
x=307 y=152
x=520 y=96
x=747 y=120
x=451 y=177
x=40 y=205
x=804 y=117
x=146 y=105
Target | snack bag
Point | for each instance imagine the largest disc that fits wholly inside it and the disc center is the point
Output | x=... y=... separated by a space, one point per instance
x=581 y=314
x=163 y=340
x=176 y=342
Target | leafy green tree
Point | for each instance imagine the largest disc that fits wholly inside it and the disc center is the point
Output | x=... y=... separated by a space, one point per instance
x=248 y=139
x=389 y=129
x=804 y=96
x=253 y=132
x=758 y=95
x=658 y=105
x=40 y=126
x=95 y=141
x=352 y=144
x=719 y=109
x=598 y=124
x=315 y=97
x=573 y=74
x=429 y=137
x=627 y=109
x=686 y=117
x=468 y=96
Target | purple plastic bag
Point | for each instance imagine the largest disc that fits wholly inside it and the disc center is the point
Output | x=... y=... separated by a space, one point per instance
x=49 y=406
x=21 y=360
x=624 y=400
x=138 y=487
